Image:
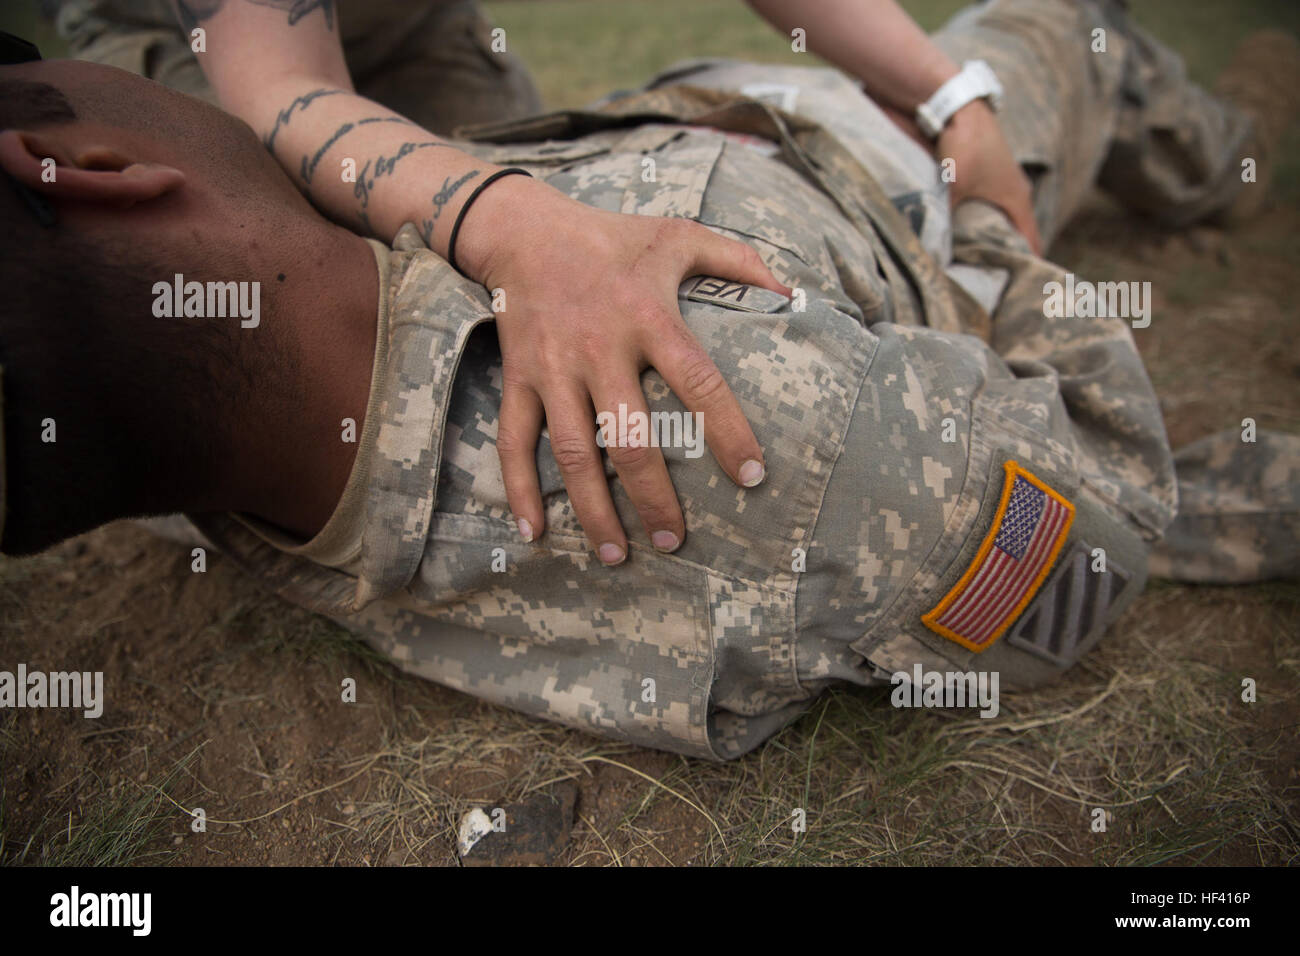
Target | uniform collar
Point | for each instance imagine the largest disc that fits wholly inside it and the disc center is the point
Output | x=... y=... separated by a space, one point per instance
x=432 y=311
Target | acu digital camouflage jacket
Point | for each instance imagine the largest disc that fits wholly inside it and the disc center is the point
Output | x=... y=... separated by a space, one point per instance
x=953 y=478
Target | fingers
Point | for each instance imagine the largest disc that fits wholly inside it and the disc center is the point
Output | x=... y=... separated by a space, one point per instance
x=518 y=428
x=573 y=443
x=625 y=421
x=639 y=463
x=569 y=375
x=690 y=372
x=1022 y=215
x=696 y=381
x=1013 y=196
x=715 y=255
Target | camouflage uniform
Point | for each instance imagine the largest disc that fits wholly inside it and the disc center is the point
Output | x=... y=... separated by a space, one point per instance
x=889 y=410
x=1238 y=511
x=430 y=61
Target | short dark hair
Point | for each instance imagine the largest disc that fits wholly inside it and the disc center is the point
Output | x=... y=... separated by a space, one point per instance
x=25 y=104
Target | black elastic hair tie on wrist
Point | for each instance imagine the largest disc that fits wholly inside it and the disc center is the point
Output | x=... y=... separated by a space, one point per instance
x=460 y=216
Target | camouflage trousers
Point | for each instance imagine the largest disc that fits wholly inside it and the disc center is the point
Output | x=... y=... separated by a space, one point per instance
x=430 y=61
x=1092 y=98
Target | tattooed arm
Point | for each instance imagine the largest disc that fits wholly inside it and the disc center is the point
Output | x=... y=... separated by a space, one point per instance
x=592 y=294
x=278 y=65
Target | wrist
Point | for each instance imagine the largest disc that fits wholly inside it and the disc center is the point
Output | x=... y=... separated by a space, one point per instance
x=489 y=227
x=976 y=114
x=939 y=74
x=975 y=82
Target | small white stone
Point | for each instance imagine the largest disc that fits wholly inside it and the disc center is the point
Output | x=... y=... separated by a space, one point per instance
x=473 y=826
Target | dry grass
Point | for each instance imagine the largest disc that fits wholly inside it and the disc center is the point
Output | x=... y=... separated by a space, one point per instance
x=1146 y=731
x=1151 y=729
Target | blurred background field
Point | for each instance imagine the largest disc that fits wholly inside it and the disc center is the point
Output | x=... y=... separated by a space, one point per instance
x=580 y=50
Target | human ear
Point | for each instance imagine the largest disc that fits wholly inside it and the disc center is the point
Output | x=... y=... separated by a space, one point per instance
x=97 y=174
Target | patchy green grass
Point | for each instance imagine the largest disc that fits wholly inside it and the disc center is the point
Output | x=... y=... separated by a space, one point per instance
x=21 y=18
x=96 y=823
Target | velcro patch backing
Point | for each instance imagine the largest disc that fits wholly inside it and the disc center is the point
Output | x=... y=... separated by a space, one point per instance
x=1027 y=533
x=1069 y=614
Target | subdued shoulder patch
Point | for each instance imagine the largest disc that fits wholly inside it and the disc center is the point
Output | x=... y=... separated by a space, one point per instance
x=1069 y=614
x=731 y=295
x=1017 y=554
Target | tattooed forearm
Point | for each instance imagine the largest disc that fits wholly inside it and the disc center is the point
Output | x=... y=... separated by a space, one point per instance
x=307 y=168
x=383 y=166
x=443 y=196
x=440 y=199
x=300 y=103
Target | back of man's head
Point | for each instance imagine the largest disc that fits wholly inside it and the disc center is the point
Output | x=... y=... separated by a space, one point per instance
x=111 y=185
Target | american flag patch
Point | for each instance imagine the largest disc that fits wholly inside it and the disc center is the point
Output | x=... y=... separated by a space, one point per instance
x=1028 y=530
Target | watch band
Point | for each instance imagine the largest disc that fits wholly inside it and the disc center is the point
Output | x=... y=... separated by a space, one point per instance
x=975 y=81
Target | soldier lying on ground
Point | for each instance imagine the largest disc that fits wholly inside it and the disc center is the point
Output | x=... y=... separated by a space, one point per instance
x=371 y=83
x=946 y=457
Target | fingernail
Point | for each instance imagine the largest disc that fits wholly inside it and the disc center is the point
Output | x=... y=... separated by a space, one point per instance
x=664 y=540
x=525 y=529
x=751 y=473
x=611 y=554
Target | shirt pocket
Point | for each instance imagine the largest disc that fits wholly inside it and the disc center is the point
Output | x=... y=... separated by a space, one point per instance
x=541 y=159
x=625 y=652
x=672 y=171
x=753 y=197
x=655 y=171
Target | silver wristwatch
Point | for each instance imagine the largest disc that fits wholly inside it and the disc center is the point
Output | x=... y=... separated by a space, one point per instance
x=975 y=81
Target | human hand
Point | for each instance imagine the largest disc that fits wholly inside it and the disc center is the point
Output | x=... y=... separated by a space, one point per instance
x=985 y=168
x=591 y=301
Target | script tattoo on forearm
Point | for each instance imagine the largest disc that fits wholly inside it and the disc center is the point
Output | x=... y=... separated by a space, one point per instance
x=440 y=199
x=384 y=167
x=308 y=170
x=300 y=104
x=193 y=12
x=307 y=167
